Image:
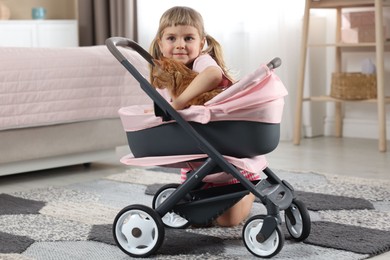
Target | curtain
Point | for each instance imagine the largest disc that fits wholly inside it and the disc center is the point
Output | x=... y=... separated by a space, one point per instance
x=101 y=19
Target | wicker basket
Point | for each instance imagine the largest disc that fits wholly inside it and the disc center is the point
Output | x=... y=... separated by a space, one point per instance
x=353 y=86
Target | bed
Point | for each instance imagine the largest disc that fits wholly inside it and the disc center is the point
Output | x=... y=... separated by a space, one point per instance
x=59 y=106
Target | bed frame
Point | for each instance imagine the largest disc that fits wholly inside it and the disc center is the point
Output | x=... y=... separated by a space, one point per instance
x=58 y=139
x=38 y=148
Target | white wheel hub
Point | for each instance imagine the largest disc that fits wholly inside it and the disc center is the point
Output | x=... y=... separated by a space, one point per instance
x=296 y=229
x=260 y=248
x=138 y=231
x=170 y=219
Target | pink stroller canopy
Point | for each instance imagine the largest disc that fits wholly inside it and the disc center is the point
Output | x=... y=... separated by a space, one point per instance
x=256 y=97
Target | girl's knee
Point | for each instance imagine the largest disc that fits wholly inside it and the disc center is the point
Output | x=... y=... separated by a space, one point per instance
x=238 y=213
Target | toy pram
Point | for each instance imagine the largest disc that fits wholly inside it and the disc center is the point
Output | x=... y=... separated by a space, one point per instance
x=232 y=131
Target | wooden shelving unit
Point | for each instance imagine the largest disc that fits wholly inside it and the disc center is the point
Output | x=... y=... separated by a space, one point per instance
x=379 y=46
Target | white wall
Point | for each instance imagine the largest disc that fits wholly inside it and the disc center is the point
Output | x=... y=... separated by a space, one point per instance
x=253 y=32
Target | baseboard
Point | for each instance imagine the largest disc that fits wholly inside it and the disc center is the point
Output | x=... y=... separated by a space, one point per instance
x=357 y=128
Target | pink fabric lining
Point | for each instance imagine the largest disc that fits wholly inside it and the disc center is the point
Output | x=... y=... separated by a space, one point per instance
x=254 y=165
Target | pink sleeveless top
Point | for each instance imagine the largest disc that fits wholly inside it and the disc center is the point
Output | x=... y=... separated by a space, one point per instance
x=204 y=61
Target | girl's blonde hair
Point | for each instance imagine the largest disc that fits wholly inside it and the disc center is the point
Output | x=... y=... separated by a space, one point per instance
x=182 y=15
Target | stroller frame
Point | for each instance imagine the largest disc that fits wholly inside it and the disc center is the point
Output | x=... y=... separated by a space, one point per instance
x=200 y=206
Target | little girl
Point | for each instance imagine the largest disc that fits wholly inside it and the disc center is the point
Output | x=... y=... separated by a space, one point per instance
x=181 y=36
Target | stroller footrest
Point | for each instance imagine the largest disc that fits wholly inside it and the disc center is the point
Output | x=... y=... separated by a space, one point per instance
x=278 y=194
x=203 y=211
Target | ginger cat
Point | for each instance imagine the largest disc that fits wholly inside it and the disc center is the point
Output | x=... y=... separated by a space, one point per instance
x=176 y=76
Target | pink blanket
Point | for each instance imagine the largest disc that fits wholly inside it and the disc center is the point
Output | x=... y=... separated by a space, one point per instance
x=45 y=86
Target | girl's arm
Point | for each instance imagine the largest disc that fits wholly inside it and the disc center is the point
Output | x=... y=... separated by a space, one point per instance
x=206 y=80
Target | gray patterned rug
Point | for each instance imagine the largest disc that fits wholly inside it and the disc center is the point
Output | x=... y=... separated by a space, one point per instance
x=350 y=220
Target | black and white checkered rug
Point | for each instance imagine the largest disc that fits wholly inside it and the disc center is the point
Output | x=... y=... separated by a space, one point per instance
x=350 y=220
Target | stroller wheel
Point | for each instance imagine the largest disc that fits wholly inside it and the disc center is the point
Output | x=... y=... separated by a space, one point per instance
x=138 y=230
x=267 y=248
x=297 y=219
x=170 y=219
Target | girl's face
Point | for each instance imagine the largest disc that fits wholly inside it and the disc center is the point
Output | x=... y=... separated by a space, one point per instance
x=182 y=43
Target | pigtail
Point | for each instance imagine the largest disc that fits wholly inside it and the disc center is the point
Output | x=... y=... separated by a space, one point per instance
x=214 y=49
x=154 y=51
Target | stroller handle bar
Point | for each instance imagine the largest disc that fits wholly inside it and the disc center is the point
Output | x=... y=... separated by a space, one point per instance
x=274 y=63
x=113 y=42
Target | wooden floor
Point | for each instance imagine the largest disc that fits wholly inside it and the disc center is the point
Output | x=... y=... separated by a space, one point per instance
x=342 y=156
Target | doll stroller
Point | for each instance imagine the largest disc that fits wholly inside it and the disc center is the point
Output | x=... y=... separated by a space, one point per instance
x=217 y=143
